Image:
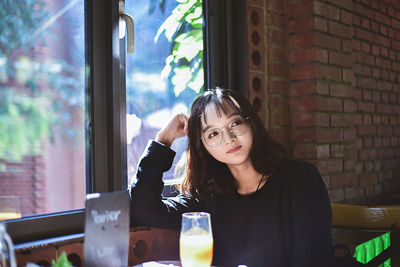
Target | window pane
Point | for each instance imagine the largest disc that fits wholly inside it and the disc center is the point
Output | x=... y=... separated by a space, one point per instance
x=165 y=73
x=42 y=90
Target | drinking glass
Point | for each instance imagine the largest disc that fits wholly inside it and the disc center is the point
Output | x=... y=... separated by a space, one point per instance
x=196 y=241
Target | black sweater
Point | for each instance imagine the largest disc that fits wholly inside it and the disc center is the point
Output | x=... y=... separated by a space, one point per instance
x=285 y=223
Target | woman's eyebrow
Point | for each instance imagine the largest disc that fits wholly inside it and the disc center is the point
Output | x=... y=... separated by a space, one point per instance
x=236 y=113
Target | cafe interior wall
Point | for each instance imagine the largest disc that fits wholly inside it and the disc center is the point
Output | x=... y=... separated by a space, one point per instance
x=324 y=77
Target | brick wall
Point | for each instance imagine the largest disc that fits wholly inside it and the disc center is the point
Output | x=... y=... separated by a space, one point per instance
x=25 y=182
x=330 y=88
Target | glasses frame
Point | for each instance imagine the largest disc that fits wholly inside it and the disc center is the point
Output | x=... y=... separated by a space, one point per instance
x=246 y=119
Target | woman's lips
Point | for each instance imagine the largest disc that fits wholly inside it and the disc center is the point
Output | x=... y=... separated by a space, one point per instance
x=235 y=149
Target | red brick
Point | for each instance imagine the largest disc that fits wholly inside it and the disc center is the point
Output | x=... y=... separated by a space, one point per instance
x=391 y=11
x=384 y=85
x=374 y=4
x=276 y=53
x=340 y=30
x=345 y=4
x=321 y=55
x=276 y=20
x=366 y=83
x=325 y=10
x=366 y=12
x=329 y=135
x=301 y=24
x=356 y=20
x=384 y=74
x=304 y=104
x=375 y=50
x=322 y=119
x=303 y=119
x=368 y=179
x=304 y=55
x=382 y=7
x=365 y=23
x=384 y=52
x=278 y=117
x=303 y=135
x=364 y=35
x=367 y=130
x=321 y=24
x=300 y=8
x=366 y=70
x=381 y=40
x=329 y=104
x=330 y=166
x=304 y=87
x=367 y=119
x=277 y=86
x=302 y=39
x=323 y=151
x=343 y=179
x=348 y=76
x=336 y=195
x=276 y=6
x=338 y=150
x=322 y=87
x=276 y=37
x=328 y=72
x=395 y=23
x=340 y=90
x=349 y=106
x=347 y=46
x=327 y=41
x=365 y=47
x=343 y=59
x=304 y=151
x=346 y=17
x=278 y=102
x=353 y=192
x=383 y=30
x=376 y=73
x=277 y=69
x=356 y=44
x=301 y=72
x=395 y=45
x=365 y=58
x=339 y=120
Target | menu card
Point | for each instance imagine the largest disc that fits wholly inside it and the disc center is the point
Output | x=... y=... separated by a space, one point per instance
x=107 y=229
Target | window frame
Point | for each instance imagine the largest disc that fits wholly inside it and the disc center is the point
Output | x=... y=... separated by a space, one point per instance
x=105 y=130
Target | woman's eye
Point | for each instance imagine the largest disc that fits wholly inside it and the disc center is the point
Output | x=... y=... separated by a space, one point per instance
x=212 y=134
x=236 y=122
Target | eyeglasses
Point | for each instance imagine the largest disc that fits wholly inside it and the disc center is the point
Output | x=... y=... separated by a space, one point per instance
x=235 y=127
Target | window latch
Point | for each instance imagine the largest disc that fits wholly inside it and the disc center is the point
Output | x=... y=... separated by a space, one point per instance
x=126 y=27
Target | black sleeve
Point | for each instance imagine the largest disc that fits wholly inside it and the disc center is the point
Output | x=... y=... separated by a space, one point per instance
x=311 y=223
x=148 y=207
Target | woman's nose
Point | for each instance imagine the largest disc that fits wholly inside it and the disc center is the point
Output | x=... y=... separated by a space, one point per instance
x=229 y=135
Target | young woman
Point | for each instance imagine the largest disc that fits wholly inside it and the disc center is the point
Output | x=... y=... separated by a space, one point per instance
x=266 y=210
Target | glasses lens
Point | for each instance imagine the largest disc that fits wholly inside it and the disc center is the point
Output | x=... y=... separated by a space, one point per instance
x=213 y=137
x=238 y=126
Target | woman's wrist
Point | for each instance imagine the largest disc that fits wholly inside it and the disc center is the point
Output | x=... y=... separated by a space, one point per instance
x=161 y=138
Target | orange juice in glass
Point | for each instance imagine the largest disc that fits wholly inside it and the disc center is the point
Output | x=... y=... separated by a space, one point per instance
x=196 y=241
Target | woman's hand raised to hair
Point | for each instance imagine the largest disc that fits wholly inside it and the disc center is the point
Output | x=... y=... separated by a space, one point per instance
x=176 y=128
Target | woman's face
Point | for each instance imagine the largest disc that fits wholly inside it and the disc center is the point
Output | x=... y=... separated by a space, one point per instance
x=234 y=149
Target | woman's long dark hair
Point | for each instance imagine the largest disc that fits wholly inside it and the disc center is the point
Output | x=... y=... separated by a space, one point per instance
x=204 y=175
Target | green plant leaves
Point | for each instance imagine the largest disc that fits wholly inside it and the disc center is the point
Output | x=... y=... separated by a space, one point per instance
x=183 y=28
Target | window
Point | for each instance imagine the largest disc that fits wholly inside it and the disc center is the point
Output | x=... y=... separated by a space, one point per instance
x=165 y=73
x=42 y=92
